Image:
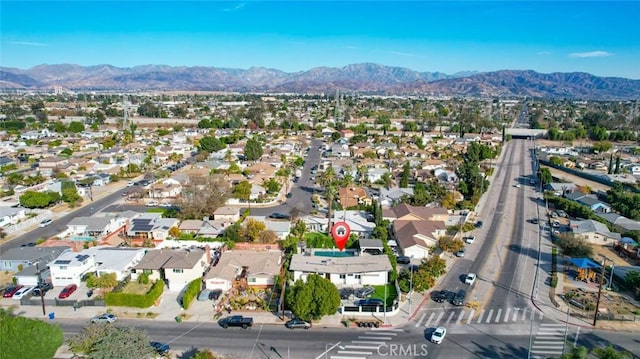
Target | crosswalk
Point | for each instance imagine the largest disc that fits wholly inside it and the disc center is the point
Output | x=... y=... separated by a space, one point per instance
x=366 y=345
x=434 y=318
x=549 y=341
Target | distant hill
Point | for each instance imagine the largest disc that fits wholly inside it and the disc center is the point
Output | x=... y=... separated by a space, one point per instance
x=365 y=78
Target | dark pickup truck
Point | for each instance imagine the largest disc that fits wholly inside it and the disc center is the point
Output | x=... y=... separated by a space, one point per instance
x=236 y=321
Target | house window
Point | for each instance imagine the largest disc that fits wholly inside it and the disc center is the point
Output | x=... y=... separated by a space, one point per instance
x=342 y=276
x=63 y=267
x=358 y=276
x=147 y=271
x=7 y=264
x=177 y=270
x=251 y=280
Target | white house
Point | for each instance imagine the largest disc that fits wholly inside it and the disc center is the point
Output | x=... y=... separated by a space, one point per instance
x=280 y=228
x=168 y=188
x=227 y=213
x=357 y=221
x=11 y=215
x=594 y=232
x=177 y=267
x=252 y=268
x=94 y=226
x=343 y=271
x=70 y=267
x=152 y=226
x=117 y=260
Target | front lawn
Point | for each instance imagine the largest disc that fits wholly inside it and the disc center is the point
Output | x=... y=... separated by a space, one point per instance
x=379 y=291
x=27 y=338
x=133 y=287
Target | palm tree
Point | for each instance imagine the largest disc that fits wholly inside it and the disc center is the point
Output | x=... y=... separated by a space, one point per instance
x=330 y=192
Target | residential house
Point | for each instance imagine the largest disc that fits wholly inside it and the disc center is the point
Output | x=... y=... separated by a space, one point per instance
x=342 y=271
x=168 y=188
x=416 y=237
x=445 y=175
x=280 y=228
x=151 y=226
x=176 y=267
x=244 y=268
x=94 y=226
x=101 y=179
x=6 y=161
x=340 y=151
x=227 y=213
x=53 y=163
x=560 y=189
x=622 y=224
x=353 y=196
x=589 y=200
x=190 y=226
x=69 y=267
x=11 y=215
x=22 y=261
x=392 y=196
x=593 y=232
x=375 y=174
x=359 y=222
x=117 y=260
x=315 y=223
x=406 y=212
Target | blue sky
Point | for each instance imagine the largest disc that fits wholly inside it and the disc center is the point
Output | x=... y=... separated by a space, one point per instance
x=602 y=38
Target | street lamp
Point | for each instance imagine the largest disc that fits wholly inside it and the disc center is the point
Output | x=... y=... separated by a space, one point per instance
x=595 y=315
x=611 y=278
x=410 y=284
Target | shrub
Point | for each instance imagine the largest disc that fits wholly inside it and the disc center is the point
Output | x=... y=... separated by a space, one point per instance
x=143 y=278
x=28 y=338
x=190 y=293
x=119 y=299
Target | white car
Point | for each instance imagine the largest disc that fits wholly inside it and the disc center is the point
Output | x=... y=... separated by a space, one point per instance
x=152 y=204
x=22 y=292
x=470 y=239
x=45 y=222
x=470 y=279
x=438 y=335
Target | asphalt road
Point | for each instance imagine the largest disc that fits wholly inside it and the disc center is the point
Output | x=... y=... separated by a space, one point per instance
x=302 y=190
x=60 y=224
x=316 y=343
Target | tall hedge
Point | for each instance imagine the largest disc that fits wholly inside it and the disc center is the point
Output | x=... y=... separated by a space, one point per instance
x=119 y=299
x=192 y=291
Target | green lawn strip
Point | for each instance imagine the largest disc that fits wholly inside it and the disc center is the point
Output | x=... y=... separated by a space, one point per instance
x=392 y=294
x=28 y=338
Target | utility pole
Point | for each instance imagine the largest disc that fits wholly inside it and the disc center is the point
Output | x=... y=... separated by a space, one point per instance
x=595 y=315
x=44 y=311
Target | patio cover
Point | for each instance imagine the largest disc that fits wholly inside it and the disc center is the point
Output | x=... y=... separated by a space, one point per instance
x=583 y=263
x=628 y=240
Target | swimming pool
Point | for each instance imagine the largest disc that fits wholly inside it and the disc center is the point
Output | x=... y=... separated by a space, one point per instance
x=333 y=254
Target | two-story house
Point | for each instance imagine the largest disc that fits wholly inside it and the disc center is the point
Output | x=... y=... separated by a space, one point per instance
x=176 y=267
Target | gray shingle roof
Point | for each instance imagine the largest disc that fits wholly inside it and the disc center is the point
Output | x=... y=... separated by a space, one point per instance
x=339 y=265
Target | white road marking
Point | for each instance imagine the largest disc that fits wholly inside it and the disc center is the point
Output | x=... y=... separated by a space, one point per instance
x=473 y=311
x=449 y=319
x=353 y=352
x=575 y=342
x=430 y=318
x=506 y=315
x=367 y=342
x=342 y=357
x=375 y=338
x=435 y=324
x=360 y=347
x=460 y=317
x=498 y=315
x=421 y=319
x=480 y=316
x=381 y=333
x=515 y=315
x=489 y=315
x=324 y=354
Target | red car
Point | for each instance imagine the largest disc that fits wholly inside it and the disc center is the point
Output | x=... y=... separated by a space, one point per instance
x=10 y=291
x=67 y=291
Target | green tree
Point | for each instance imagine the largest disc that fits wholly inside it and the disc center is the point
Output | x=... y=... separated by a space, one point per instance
x=105 y=341
x=252 y=228
x=253 y=150
x=313 y=299
x=33 y=199
x=272 y=185
x=75 y=127
x=609 y=352
x=545 y=176
x=242 y=190
x=70 y=195
x=406 y=173
x=211 y=144
x=576 y=353
x=299 y=229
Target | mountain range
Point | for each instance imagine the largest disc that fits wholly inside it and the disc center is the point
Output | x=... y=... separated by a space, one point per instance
x=364 y=78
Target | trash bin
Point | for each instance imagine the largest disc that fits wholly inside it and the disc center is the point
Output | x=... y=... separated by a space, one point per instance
x=52 y=315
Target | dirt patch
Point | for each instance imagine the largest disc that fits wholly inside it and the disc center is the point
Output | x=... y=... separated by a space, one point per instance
x=610 y=302
x=136 y=315
x=609 y=253
x=136 y=288
x=595 y=186
x=6 y=277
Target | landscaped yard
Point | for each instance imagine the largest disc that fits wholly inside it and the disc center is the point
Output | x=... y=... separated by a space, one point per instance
x=391 y=292
x=134 y=287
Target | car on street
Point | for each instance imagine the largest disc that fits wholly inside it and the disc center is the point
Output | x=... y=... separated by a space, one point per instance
x=46 y=222
x=461 y=252
x=534 y=220
x=279 y=216
x=289 y=195
x=403 y=260
x=470 y=279
x=517 y=185
x=364 y=292
x=130 y=184
x=236 y=321
x=22 y=292
x=297 y=323
x=479 y=224
x=160 y=348
x=440 y=296
x=10 y=291
x=469 y=239
x=152 y=203
x=165 y=204
x=67 y=291
x=104 y=318
x=438 y=335
x=458 y=299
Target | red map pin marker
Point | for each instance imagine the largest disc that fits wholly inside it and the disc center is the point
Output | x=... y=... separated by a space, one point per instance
x=341 y=232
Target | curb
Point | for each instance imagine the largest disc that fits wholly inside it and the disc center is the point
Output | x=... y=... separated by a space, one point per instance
x=417 y=309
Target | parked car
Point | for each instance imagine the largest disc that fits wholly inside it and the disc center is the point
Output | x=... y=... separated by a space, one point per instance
x=42 y=288
x=555 y=224
x=297 y=323
x=22 y=292
x=46 y=222
x=469 y=239
x=236 y=321
x=364 y=292
x=279 y=216
x=479 y=224
x=152 y=203
x=458 y=299
x=562 y=213
x=438 y=335
x=160 y=348
x=10 y=291
x=345 y=293
x=461 y=252
x=67 y=291
x=470 y=279
x=534 y=220
x=403 y=260
x=104 y=318
x=204 y=295
x=370 y=302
